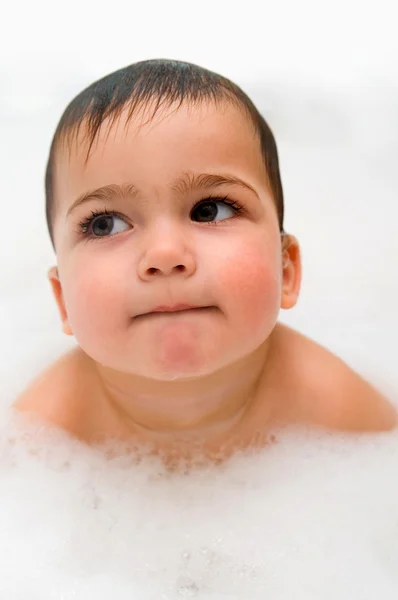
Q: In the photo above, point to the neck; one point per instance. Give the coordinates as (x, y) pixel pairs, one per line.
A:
(213, 410)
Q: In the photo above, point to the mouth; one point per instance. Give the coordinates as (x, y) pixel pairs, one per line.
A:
(175, 308)
(178, 308)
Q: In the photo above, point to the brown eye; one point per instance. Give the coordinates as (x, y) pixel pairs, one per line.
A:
(211, 210)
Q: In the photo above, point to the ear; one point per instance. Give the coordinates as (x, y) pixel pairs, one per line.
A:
(58, 295)
(291, 275)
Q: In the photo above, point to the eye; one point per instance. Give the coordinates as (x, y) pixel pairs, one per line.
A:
(103, 224)
(215, 210)
(108, 225)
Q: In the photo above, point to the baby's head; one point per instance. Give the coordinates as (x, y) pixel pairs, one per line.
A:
(163, 190)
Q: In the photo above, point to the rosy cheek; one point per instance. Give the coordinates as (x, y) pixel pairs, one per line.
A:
(94, 300)
(250, 285)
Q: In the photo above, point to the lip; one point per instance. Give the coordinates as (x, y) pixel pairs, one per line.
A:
(174, 308)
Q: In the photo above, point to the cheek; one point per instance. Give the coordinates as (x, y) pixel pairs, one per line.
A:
(95, 301)
(251, 285)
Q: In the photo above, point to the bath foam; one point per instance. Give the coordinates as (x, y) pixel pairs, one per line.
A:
(314, 516)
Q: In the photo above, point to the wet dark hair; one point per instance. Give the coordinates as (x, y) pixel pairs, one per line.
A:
(156, 83)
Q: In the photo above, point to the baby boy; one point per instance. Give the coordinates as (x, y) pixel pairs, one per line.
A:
(175, 313)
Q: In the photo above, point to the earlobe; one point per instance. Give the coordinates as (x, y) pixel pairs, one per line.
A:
(291, 275)
(55, 282)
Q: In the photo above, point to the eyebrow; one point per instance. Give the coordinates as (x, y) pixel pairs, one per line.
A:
(106, 192)
(184, 184)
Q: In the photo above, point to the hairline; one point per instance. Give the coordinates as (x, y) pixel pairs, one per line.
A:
(87, 110)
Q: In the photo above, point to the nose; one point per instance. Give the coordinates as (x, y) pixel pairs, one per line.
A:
(167, 253)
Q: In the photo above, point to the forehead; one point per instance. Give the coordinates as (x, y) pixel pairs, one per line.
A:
(151, 153)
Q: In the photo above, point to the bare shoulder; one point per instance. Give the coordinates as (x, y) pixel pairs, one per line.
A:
(54, 393)
(329, 392)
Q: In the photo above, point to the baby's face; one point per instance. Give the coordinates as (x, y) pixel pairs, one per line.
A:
(195, 225)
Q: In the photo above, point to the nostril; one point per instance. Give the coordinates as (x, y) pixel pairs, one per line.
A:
(153, 270)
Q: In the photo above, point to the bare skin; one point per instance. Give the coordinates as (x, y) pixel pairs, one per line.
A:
(215, 378)
(302, 383)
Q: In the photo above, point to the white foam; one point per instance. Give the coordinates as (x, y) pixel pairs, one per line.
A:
(314, 516)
